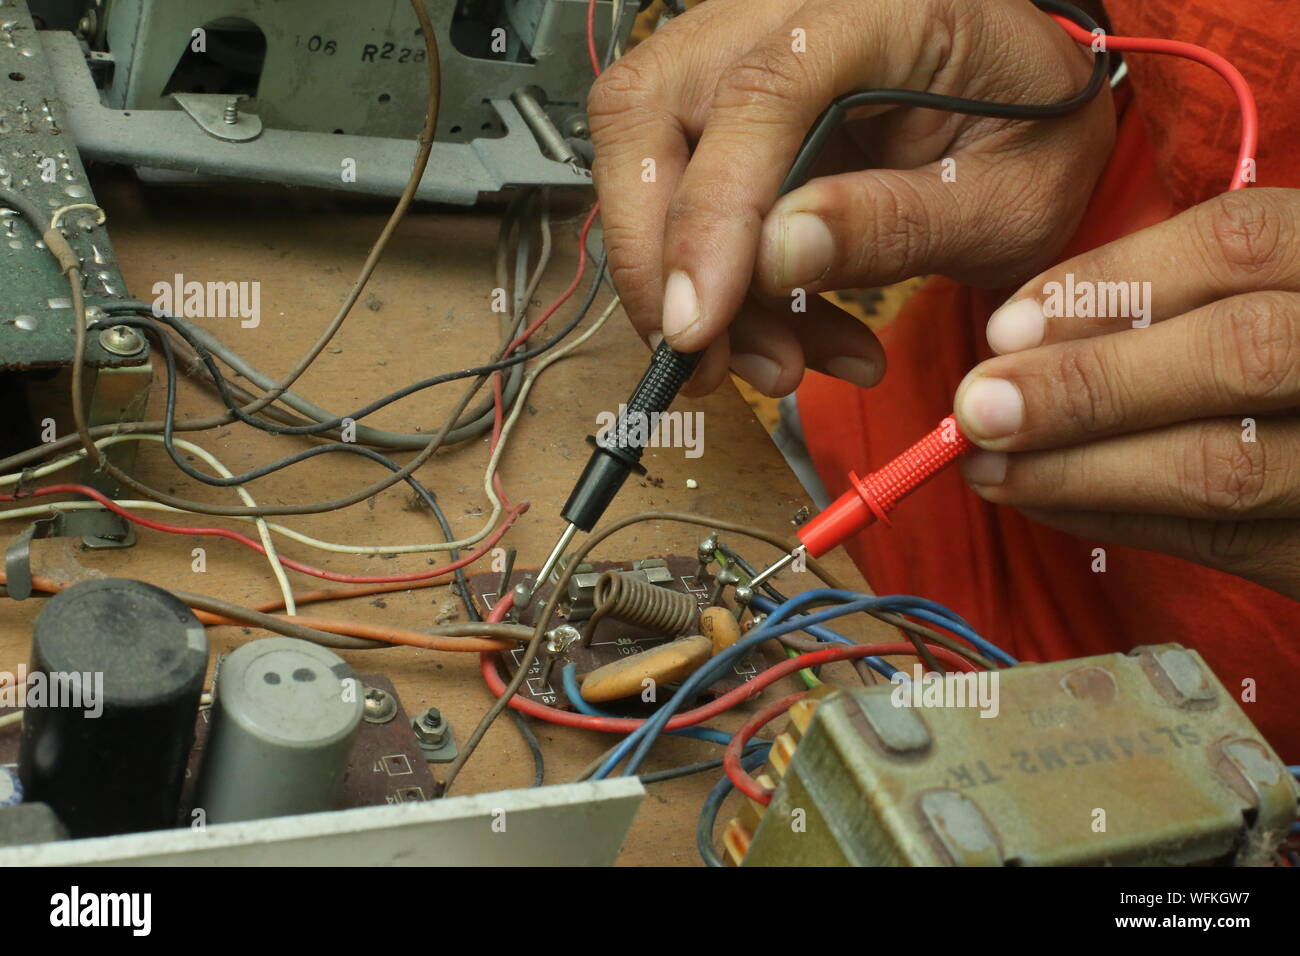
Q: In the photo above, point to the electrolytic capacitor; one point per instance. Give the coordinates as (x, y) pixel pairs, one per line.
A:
(284, 718)
(111, 699)
(11, 788)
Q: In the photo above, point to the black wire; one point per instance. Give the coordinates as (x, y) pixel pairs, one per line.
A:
(169, 359)
(673, 773)
(430, 500)
(274, 428)
(767, 587)
(834, 114)
(534, 747)
(307, 453)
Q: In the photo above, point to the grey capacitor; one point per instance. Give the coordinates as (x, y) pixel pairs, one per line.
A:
(284, 716)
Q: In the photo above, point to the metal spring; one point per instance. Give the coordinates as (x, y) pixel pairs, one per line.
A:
(643, 604)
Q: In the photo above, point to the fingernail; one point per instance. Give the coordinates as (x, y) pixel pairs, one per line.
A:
(758, 370)
(985, 468)
(991, 408)
(805, 250)
(861, 372)
(1016, 326)
(655, 339)
(681, 305)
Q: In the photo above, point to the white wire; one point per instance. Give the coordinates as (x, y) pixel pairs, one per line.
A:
(290, 533)
(263, 531)
(617, 15)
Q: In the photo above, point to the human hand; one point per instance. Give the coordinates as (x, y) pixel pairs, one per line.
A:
(1181, 437)
(712, 110)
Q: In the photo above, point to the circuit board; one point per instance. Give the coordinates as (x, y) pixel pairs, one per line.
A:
(39, 158)
(610, 641)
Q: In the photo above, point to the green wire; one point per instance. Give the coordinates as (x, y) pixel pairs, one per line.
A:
(809, 678)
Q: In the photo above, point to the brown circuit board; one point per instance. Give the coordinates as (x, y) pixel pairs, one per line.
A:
(611, 640)
(386, 765)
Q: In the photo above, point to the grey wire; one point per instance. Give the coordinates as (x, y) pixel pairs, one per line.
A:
(476, 421)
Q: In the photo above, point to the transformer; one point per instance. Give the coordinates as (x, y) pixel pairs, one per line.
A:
(1135, 759)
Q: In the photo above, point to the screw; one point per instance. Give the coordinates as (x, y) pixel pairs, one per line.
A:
(380, 706)
(121, 340)
(576, 126)
(231, 114)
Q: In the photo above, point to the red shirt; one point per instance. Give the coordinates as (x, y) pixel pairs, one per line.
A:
(1028, 588)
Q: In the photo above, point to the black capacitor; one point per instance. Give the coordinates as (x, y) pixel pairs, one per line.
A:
(110, 757)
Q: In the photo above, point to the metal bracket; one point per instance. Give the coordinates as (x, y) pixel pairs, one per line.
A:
(220, 116)
(91, 526)
(167, 139)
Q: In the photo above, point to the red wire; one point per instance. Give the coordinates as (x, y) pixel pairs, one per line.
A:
(1190, 51)
(740, 778)
(564, 296)
(498, 398)
(625, 725)
(511, 516)
(591, 37)
(512, 512)
(870, 498)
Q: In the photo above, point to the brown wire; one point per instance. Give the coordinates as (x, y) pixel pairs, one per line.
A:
(346, 635)
(596, 537)
(408, 195)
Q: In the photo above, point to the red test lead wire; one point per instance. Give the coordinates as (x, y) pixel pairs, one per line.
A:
(870, 499)
(1244, 173)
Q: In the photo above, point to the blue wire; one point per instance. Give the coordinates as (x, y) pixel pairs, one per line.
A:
(713, 803)
(877, 664)
(1295, 770)
(643, 737)
(933, 612)
(569, 679)
(775, 626)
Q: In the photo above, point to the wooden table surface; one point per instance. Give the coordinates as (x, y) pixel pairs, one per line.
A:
(426, 310)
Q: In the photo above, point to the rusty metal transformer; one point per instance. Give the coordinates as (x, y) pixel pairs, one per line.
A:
(1124, 759)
